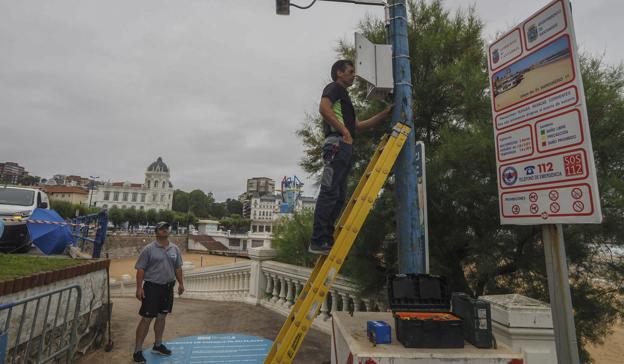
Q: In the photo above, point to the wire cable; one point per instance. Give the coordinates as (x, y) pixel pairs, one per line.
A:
(303, 7)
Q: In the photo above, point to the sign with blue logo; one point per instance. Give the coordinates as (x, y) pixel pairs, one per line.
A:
(220, 348)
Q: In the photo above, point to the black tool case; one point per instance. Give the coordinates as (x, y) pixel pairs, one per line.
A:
(420, 306)
(477, 318)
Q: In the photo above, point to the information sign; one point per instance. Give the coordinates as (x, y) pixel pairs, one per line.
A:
(541, 131)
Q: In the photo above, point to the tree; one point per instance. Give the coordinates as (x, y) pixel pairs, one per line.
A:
(116, 216)
(235, 223)
(166, 215)
(180, 201)
(453, 118)
(152, 216)
(233, 206)
(141, 217)
(131, 216)
(200, 203)
(291, 238)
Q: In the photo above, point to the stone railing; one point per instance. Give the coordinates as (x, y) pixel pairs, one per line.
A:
(260, 281)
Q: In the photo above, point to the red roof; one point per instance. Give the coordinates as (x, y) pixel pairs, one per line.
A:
(65, 189)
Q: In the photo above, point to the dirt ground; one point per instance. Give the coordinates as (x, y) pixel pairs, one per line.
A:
(534, 79)
(196, 317)
(126, 266)
(612, 351)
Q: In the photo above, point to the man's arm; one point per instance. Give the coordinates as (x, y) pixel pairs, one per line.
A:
(325, 108)
(374, 120)
(139, 283)
(180, 278)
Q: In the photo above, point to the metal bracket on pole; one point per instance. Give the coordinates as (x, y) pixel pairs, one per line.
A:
(559, 291)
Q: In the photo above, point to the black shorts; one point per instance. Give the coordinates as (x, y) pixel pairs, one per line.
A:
(158, 299)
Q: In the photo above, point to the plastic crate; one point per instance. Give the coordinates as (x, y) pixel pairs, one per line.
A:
(420, 306)
(477, 318)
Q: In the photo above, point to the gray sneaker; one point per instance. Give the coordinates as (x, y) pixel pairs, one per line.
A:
(322, 249)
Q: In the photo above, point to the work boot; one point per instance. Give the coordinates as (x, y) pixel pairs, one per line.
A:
(138, 357)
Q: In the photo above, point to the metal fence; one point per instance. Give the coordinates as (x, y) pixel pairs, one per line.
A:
(42, 334)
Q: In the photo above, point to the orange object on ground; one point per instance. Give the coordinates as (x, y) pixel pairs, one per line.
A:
(436, 316)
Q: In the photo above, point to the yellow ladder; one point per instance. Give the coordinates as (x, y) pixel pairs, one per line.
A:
(309, 301)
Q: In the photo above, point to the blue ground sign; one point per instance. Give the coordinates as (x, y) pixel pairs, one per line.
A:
(220, 348)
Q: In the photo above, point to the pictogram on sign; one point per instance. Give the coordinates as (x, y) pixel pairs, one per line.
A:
(534, 208)
(578, 206)
(576, 193)
(553, 195)
(554, 207)
(533, 197)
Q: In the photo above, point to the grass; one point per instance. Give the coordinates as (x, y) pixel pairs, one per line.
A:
(12, 265)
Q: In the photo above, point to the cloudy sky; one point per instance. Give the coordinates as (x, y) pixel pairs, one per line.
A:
(216, 87)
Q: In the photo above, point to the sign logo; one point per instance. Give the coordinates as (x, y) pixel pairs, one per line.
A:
(529, 170)
(532, 33)
(495, 56)
(510, 176)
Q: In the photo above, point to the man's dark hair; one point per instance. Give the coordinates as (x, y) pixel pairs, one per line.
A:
(340, 66)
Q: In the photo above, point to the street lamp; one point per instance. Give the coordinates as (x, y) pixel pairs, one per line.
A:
(93, 178)
(282, 7)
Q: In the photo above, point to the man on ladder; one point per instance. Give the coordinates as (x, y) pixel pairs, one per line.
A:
(340, 127)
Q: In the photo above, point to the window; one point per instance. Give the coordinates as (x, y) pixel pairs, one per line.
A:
(153, 197)
(149, 184)
(134, 196)
(115, 196)
(104, 206)
(140, 207)
(142, 197)
(106, 195)
(162, 198)
(125, 196)
(163, 184)
(156, 184)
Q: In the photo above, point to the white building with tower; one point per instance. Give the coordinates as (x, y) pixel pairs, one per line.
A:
(156, 192)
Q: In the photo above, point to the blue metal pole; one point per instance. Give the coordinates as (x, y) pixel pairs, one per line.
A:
(411, 249)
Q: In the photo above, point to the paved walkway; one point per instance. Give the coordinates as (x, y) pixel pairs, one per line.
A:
(197, 317)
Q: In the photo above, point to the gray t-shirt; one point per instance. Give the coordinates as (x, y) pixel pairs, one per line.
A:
(159, 263)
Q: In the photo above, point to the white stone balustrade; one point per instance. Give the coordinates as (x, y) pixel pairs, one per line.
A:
(260, 281)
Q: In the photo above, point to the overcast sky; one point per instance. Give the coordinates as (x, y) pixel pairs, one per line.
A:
(216, 87)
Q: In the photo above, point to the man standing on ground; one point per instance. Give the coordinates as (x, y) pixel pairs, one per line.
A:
(340, 127)
(158, 267)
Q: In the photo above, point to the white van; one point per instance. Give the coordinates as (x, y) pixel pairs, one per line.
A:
(21, 201)
(17, 203)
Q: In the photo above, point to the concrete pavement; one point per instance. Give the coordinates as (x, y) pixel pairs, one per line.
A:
(198, 317)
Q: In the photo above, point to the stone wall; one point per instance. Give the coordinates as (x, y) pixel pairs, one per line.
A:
(92, 317)
(129, 245)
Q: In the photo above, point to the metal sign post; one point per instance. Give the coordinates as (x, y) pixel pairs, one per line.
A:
(559, 290)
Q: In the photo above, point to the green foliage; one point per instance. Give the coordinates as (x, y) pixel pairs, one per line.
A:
(467, 243)
(233, 206)
(291, 238)
(152, 216)
(67, 210)
(116, 216)
(180, 201)
(235, 223)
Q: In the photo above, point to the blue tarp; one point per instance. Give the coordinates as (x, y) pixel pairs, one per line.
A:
(48, 237)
